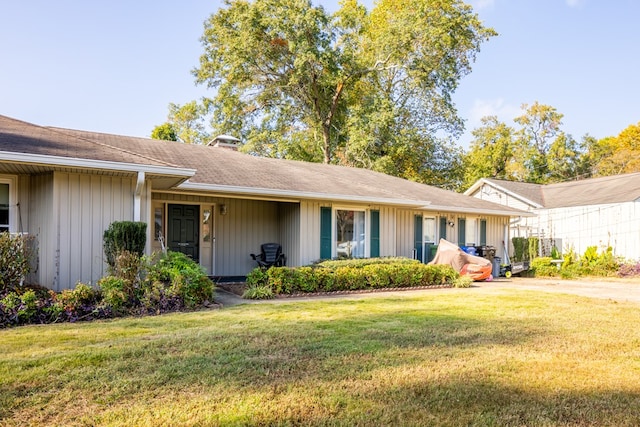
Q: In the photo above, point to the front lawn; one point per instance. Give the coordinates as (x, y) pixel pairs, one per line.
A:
(453, 357)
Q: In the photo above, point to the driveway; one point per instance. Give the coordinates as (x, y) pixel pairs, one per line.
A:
(622, 290)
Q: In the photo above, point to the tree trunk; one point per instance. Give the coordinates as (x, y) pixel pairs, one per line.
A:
(326, 141)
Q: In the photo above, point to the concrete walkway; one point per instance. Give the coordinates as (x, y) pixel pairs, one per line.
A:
(622, 290)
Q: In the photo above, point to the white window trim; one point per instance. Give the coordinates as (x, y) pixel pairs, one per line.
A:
(334, 231)
(472, 221)
(12, 180)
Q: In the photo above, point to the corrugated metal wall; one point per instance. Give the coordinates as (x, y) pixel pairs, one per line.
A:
(615, 225)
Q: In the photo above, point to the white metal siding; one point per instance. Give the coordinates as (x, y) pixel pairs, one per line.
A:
(615, 225)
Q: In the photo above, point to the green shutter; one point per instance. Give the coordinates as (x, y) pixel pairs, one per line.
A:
(417, 230)
(325, 233)
(443, 228)
(462, 229)
(375, 234)
(483, 232)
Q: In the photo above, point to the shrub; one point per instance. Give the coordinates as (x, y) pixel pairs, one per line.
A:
(463, 281)
(124, 236)
(16, 255)
(629, 269)
(258, 292)
(186, 279)
(75, 304)
(349, 275)
(114, 293)
(543, 267)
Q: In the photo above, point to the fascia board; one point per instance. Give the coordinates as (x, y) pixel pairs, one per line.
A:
(481, 211)
(478, 184)
(74, 162)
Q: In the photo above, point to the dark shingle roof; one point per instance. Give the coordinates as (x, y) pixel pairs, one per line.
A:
(21, 137)
(224, 170)
(593, 191)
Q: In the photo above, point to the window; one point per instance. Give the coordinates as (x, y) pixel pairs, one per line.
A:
(4, 207)
(206, 225)
(158, 222)
(350, 233)
(429, 230)
(471, 232)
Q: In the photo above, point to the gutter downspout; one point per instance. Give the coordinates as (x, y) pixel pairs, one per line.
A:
(137, 197)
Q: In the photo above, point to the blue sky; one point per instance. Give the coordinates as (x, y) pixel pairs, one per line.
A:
(114, 66)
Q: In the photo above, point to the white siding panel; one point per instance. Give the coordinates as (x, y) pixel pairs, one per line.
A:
(615, 225)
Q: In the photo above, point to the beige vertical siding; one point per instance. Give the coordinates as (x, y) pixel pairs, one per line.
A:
(309, 231)
(404, 232)
(86, 205)
(290, 233)
(247, 224)
(388, 230)
(42, 218)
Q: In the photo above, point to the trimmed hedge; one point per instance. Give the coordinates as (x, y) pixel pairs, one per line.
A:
(348, 275)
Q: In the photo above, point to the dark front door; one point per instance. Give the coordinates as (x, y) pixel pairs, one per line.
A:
(183, 230)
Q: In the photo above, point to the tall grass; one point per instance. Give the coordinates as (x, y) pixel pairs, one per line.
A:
(435, 358)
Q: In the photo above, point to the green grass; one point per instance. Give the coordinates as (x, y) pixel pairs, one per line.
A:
(448, 358)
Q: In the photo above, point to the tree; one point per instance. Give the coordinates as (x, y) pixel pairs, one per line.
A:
(165, 132)
(368, 89)
(620, 154)
(492, 153)
(538, 151)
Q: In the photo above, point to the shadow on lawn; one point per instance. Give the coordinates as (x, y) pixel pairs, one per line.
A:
(400, 366)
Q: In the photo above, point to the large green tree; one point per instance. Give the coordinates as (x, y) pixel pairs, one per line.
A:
(364, 88)
(537, 151)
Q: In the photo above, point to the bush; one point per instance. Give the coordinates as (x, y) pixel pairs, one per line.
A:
(16, 255)
(186, 279)
(124, 236)
(347, 275)
(258, 292)
(543, 267)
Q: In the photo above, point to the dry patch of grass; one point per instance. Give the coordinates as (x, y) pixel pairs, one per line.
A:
(441, 358)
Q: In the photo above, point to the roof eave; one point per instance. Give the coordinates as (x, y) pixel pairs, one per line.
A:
(79, 163)
(480, 211)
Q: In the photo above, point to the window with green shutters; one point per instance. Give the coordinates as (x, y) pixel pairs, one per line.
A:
(351, 234)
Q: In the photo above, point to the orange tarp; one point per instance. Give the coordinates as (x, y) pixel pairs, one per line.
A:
(448, 253)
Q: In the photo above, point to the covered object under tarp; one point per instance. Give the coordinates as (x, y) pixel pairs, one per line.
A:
(450, 254)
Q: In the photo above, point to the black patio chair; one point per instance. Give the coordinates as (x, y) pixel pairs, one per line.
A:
(270, 256)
